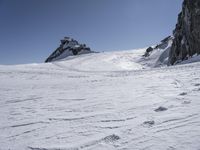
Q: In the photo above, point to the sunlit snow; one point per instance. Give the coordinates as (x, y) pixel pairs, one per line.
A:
(100, 101)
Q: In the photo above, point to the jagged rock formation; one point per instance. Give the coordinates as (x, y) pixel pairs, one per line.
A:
(148, 51)
(158, 55)
(165, 43)
(68, 47)
(187, 33)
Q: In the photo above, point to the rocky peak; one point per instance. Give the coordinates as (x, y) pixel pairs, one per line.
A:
(186, 41)
(165, 43)
(68, 47)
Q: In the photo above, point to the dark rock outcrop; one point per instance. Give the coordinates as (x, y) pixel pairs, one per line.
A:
(163, 45)
(68, 47)
(187, 33)
(148, 51)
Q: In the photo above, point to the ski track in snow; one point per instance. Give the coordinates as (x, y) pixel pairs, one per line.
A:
(78, 104)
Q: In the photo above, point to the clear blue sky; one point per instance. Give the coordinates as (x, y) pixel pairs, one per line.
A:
(31, 29)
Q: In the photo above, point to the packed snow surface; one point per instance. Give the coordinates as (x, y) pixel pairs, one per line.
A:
(103, 101)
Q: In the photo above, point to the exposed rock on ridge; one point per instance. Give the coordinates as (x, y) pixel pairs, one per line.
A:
(158, 55)
(187, 33)
(68, 47)
(163, 45)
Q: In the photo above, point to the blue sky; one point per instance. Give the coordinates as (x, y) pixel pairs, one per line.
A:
(31, 29)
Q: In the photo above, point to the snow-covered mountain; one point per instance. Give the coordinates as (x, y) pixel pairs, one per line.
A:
(125, 100)
(68, 47)
(184, 45)
(112, 100)
(158, 55)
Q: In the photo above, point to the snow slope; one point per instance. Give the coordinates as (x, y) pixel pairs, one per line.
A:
(100, 101)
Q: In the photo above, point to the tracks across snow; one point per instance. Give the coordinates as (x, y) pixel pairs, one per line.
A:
(62, 105)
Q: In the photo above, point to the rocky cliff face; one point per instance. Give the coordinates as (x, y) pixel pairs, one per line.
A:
(165, 43)
(158, 55)
(187, 33)
(68, 47)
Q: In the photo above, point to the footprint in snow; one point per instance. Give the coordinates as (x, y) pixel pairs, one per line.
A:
(198, 84)
(186, 102)
(183, 94)
(111, 138)
(159, 109)
(149, 123)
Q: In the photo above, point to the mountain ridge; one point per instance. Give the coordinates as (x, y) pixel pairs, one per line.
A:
(68, 47)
